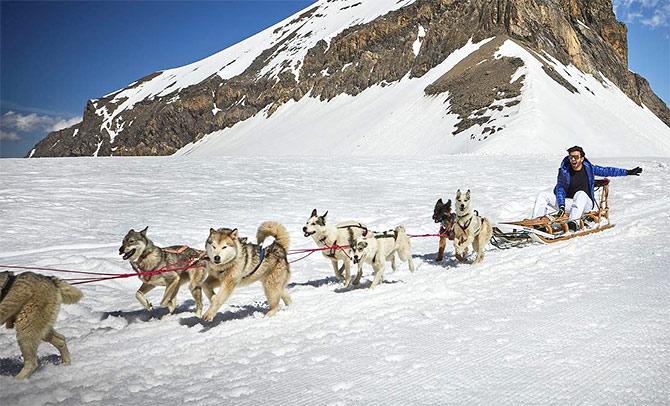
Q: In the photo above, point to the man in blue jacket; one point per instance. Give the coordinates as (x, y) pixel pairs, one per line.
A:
(574, 187)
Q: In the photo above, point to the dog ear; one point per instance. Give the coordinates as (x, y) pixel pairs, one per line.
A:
(313, 213)
(233, 233)
(323, 216)
(144, 232)
(448, 204)
(211, 231)
(458, 194)
(467, 194)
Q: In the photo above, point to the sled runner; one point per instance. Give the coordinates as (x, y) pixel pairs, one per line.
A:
(549, 229)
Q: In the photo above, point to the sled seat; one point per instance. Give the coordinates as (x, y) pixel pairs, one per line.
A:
(601, 182)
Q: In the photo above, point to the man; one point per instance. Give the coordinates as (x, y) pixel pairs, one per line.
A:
(574, 186)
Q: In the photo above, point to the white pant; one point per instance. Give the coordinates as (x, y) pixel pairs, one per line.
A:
(575, 207)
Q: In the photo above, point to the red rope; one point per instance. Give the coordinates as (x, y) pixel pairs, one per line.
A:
(301, 258)
(325, 248)
(107, 276)
(310, 251)
(103, 276)
(35, 268)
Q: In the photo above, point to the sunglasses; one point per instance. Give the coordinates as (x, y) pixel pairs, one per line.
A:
(574, 158)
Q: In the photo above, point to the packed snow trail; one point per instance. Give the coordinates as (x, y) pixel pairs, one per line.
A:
(581, 321)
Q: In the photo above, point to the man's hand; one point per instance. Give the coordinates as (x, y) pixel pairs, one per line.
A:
(561, 212)
(635, 171)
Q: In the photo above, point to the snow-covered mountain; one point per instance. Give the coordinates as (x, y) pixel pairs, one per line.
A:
(389, 77)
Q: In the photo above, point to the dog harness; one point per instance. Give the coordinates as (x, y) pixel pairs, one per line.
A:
(447, 226)
(8, 285)
(261, 257)
(465, 226)
(331, 252)
(388, 234)
(177, 249)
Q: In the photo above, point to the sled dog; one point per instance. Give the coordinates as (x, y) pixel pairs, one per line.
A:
(30, 302)
(443, 215)
(470, 229)
(341, 234)
(376, 248)
(232, 262)
(144, 256)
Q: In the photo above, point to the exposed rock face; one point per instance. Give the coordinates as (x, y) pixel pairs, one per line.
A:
(477, 82)
(584, 33)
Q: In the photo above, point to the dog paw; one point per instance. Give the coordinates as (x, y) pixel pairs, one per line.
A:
(25, 373)
(208, 316)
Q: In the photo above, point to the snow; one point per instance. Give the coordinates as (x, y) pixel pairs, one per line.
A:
(297, 35)
(577, 322)
(416, 46)
(95, 154)
(406, 122)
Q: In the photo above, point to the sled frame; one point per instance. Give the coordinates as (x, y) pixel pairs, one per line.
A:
(549, 229)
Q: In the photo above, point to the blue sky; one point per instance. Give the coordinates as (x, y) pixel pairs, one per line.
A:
(56, 55)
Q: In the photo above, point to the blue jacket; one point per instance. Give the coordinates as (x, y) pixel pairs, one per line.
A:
(563, 180)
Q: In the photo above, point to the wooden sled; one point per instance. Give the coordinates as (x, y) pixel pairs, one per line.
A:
(549, 229)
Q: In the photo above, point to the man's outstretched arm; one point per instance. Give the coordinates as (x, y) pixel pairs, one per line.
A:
(610, 171)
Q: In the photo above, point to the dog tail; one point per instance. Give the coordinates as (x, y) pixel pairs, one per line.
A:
(68, 293)
(276, 230)
(401, 234)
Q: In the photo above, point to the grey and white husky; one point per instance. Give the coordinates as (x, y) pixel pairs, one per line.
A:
(232, 262)
(470, 229)
(328, 235)
(376, 248)
(144, 256)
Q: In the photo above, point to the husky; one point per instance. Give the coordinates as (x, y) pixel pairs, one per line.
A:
(376, 248)
(443, 215)
(232, 262)
(30, 302)
(144, 256)
(470, 229)
(341, 234)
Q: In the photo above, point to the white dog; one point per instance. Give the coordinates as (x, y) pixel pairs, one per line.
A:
(329, 235)
(377, 248)
(470, 229)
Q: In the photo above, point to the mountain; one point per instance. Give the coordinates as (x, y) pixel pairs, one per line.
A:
(389, 77)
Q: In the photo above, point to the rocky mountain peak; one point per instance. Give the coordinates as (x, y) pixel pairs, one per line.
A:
(345, 47)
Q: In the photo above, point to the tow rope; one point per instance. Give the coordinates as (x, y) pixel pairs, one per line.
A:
(104, 276)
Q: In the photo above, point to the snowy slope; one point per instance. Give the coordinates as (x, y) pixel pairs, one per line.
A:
(578, 322)
(299, 34)
(399, 119)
